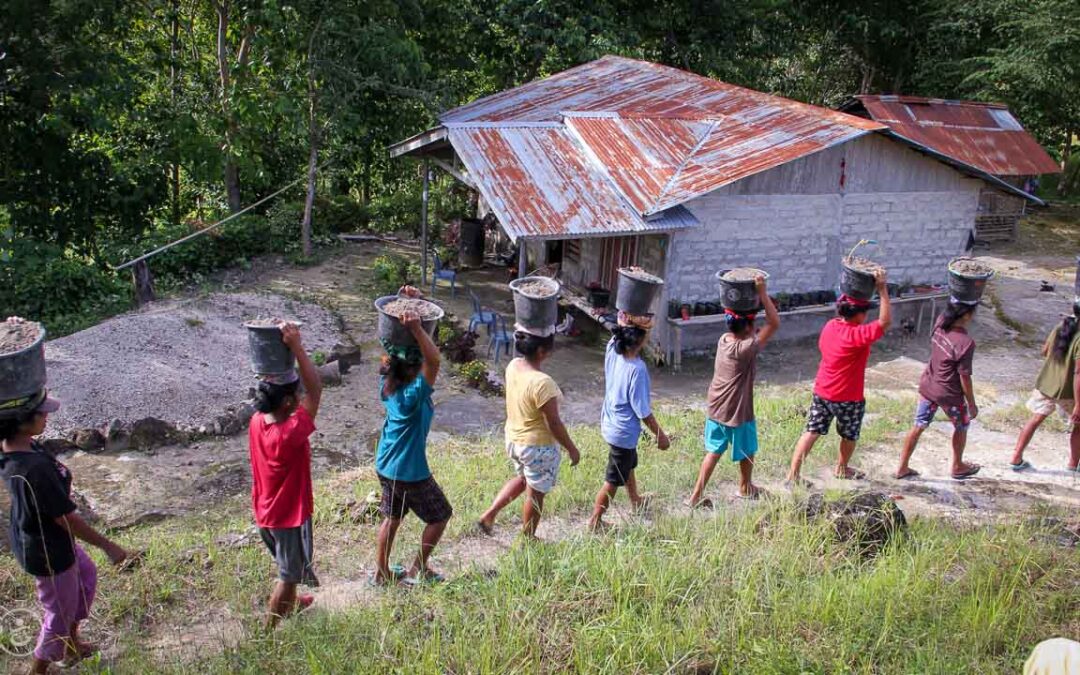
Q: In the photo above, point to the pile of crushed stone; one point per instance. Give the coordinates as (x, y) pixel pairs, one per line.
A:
(182, 362)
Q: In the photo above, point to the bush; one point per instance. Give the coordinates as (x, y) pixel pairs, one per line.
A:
(42, 282)
(458, 346)
(392, 272)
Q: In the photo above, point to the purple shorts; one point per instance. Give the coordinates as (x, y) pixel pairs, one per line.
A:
(958, 414)
(65, 598)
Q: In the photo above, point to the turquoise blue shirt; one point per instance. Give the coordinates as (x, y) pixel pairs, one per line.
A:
(626, 399)
(402, 453)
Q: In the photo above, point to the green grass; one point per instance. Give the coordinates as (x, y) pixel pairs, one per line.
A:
(753, 589)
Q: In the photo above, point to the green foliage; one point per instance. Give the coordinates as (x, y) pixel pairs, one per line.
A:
(393, 271)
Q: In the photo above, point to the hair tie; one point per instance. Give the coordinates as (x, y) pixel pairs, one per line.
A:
(854, 302)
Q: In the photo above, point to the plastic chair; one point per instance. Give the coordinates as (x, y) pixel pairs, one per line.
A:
(500, 338)
(482, 316)
(444, 274)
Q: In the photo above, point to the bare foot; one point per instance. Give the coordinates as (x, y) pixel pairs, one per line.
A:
(752, 492)
(703, 503)
(642, 503)
(847, 473)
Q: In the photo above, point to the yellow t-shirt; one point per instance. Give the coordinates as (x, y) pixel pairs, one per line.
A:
(527, 391)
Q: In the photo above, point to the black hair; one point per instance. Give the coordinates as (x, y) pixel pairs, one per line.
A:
(269, 397)
(1065, 334)
(739, 324)
(398, 372)
(847, 310)
(954, 312)
(529, 345)
(12, 425)
(627, 338)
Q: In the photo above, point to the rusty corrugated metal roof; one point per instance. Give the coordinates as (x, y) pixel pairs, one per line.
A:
(601, 147)
(984, 135)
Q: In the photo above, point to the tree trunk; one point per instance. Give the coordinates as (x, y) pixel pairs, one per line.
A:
(232, 171)
(174, 170)
(1066, 153)
(309, 203)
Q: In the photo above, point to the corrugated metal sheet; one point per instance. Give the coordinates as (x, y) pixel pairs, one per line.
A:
(540, 184)
(593, 149)
(983, 135)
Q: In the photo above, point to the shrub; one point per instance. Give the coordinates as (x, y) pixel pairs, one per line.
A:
(458, 346)
(392, 272)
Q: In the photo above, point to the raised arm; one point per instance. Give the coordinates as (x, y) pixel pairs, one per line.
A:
(309, 375)
(558, 430)
(430, 352)
(772, 317)
(885, 316)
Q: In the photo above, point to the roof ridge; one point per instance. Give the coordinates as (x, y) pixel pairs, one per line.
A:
(682, 165)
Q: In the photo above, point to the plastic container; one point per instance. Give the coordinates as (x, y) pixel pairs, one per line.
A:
(392, 330)
(269, 355)
(22, 373)
(856, 283)
(471, 243)
(635, 295)
(739, 295)
(967, 287)
(536, 313)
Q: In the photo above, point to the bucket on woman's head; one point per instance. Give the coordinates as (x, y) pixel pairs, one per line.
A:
(738, 289)
(637, 291)
(269, 354)
(22, 359)
(536, 303)
(857, 278)
(967, 280)
(390, 309)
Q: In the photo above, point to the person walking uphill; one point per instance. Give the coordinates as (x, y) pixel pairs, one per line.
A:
(44, 527)
(1058, 386)
(406, 382)
(731, 398)
(844, 344)
(281, 494)
(627, 404)
(534, 432)
(946, 384)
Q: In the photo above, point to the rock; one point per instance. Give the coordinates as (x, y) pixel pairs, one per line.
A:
(228, 424)
(89, 440)
(1056, 531)
(869, 520)
(347, 355)
(244, 413)
(58, 446)
(150, 432)
(366, 511)
(330, 373)
(117, 438)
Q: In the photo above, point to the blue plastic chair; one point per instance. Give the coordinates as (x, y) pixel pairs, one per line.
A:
(482, 316)
(500, 338)
(445, 275)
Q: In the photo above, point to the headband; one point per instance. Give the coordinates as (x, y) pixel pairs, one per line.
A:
(732, 315)
(407, 353)
(854, 302)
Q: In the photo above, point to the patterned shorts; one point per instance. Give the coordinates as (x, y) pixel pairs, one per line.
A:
(959, 415)
(423, 497)
(848, 414)
(539, 464)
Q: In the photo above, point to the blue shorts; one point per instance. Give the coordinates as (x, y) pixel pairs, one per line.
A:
(742, 439)
(958, 414)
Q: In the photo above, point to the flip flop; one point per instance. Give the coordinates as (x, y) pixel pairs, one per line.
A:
(1022, 466)
(397, 573)
(972, 470)
(303, 602)
(907, 475)
(429, 578)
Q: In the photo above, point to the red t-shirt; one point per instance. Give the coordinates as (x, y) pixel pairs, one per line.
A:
(845, 349)
(281, 493)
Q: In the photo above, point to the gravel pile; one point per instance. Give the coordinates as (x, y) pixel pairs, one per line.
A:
(966, 267)
(639, 273)
(17, 334)
(181, 362)
(422, 308)
(742, 274)
(863, 265)
(537, 288)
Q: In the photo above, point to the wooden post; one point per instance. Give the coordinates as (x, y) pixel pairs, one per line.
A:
(523, 258)
(424, 226)
(144, 283)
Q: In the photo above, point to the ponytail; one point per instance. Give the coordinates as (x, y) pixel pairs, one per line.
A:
(1065, 334)
(628, 338)
(954, 312)
(529, 345)
(269, 397)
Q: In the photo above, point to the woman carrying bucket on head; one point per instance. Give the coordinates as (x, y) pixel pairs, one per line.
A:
(627, 392)
(534, 429)
(1057, 387)
(406, 383)
(730, 420)
(45, 522)
(839, 394)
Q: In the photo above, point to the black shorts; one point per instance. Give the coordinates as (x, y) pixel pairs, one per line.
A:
(423, 497)
(848, 414)
(621, 461)
(293, 551)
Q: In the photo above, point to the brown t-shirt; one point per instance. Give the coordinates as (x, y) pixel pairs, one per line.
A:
(951, 354)
(731, 392)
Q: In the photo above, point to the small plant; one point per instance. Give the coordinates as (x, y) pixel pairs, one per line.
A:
(458, 346)
(318, 358)
(194, 322)
(392, 272)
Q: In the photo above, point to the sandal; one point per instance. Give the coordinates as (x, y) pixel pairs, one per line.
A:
(397, 573)
(429, 577)
(968, 473)
(1022, 466)
(907, 475)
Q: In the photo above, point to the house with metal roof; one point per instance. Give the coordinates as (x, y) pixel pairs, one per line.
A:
(622, 162)
(984, 135)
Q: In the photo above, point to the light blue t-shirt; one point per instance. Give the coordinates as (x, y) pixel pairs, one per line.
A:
(402, 453)
(626, 398)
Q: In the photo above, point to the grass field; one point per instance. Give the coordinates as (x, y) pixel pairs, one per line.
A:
(753, 588)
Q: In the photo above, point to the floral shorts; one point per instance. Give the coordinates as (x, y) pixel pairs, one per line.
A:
(924, 414)
(539, 464)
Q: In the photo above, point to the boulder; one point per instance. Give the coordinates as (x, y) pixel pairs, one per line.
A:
(58, 446)
(868, 520)
(150, 432)
(346, 355)
(89, 440)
